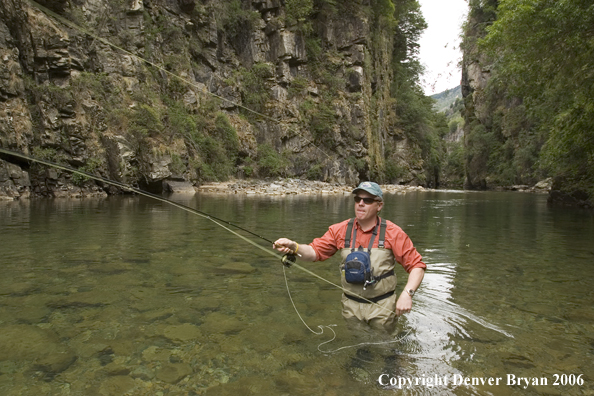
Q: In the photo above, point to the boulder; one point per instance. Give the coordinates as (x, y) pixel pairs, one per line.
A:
(176, 186)
(173, 372)
(184, 333)
(37, 347)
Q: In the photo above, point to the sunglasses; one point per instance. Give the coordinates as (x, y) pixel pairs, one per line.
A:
(368, 201)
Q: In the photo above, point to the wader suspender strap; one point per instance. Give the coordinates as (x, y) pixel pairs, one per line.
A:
(382, 234)
(349, 231)
(382, 239)
(347, 240)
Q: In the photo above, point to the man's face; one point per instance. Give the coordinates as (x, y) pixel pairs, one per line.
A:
(365, 212)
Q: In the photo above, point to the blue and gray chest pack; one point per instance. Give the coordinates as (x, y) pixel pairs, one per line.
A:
(357, 266)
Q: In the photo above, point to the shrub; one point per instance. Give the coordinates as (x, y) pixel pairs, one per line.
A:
(227, 135)
(393, 172)
(315, 172)
(145, 121)
(254, 90)
(90, 167)
(271, 163)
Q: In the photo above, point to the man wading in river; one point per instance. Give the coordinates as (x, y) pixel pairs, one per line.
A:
(369, 247)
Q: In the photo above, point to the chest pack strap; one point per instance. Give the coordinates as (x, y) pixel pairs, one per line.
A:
(389, 273)
(349, 232)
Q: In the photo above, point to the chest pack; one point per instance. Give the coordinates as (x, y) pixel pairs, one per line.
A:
(357, 266)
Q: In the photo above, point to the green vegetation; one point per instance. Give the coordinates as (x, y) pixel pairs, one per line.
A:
(213, 140)
(297, 13)
(49, 154)
(145, 120)
(232, 16)
(270, 162)
(315, 172)
(448, 150)
(321, 120)
(254, 88)
(298, 86)
(538, 108)
(543, 51)
(90, 167)
(448, 99)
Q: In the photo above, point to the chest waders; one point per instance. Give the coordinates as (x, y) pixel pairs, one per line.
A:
(382, 280)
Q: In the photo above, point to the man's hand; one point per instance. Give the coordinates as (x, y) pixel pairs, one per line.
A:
(304, 252)
(404, 303)
(285, 245)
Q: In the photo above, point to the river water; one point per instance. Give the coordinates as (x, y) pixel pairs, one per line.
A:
(127, 295)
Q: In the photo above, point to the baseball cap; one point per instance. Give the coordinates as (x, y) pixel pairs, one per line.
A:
(371, 188)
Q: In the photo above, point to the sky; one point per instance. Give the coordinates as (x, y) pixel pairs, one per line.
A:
(440, 44)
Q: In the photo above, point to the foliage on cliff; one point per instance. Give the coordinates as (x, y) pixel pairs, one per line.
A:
(534, 116)
(544, 51)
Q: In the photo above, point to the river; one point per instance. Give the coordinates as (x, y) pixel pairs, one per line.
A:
(128, 295)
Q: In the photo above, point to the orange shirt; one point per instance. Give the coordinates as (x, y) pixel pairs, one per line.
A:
(396, 240)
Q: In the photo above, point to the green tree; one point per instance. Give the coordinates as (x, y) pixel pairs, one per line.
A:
(543, 51)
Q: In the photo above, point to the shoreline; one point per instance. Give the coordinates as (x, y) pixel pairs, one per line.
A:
(293, 187)
(254, 187)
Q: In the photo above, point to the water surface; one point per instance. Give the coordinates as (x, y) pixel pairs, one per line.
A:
(126, 295)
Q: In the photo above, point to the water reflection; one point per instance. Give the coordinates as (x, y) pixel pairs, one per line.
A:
(116, 295)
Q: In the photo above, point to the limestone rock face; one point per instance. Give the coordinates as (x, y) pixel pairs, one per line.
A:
(103, 99)
(14, 182)
(475, 76)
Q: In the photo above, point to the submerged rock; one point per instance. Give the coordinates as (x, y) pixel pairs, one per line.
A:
(173, 372)
(94, 298)
(184, 332)
(143, 373)
(117, 385)
(218, 323)
(32, 345)
(244, 386)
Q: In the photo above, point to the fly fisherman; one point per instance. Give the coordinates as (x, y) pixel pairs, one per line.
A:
(369, 247)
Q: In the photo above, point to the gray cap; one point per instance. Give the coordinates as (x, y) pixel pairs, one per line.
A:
(371, 187)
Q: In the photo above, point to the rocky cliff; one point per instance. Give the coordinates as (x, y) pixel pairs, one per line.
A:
(478, 111)
(502, 145)
(154, 91)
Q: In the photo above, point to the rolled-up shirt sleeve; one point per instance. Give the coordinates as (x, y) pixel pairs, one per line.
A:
(404, 251)
(327, 245)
